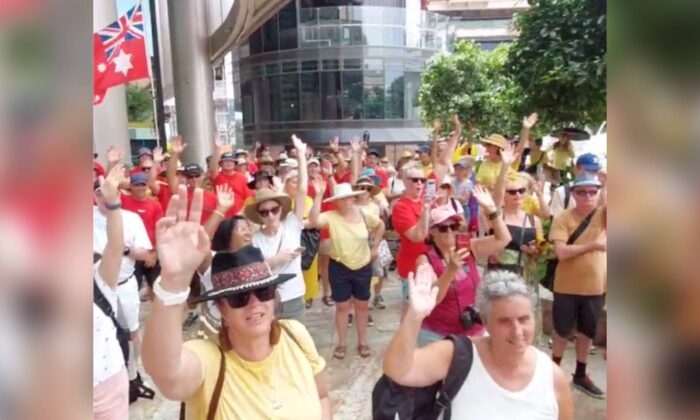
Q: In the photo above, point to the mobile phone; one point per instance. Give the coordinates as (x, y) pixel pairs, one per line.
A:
(463, 241)
(430, 189)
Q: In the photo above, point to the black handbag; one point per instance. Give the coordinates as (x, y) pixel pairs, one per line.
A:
(310, 240)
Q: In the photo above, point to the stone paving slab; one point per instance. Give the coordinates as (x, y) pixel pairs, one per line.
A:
(351, 380)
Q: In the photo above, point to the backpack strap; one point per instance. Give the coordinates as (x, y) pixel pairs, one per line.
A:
(460, 366)
(216, 395)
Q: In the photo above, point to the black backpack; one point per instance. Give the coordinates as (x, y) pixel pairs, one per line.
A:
(310, 240)
(392, 401)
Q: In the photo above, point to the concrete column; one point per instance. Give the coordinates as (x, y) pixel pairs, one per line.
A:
(110, 123)
(192, 76)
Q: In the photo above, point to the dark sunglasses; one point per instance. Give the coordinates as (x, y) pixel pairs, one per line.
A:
(520, 191)
(444, 228)
(265, 213)
(418, 180)
(363, 188)
(146, 168)
(586, 193)
(240, 300)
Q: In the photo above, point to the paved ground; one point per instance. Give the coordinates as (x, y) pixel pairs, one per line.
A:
(351, 380)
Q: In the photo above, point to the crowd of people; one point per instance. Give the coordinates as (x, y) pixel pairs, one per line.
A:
(241, 249)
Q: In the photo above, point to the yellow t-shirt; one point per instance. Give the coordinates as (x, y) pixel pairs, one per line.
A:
(586, 274)
(250, 388)
(349, 241)
(488, 173)
(562, 157)
(307, 209)
(427, 169)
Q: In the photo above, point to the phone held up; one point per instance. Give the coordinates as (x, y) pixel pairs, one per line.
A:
(430, 189)
(463, 241)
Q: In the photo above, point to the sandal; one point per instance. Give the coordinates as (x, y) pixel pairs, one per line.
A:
(309, 303)
(328, 301)
(339, 352)
(364, 350)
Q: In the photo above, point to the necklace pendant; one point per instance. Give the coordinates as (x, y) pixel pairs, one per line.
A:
(277, 405)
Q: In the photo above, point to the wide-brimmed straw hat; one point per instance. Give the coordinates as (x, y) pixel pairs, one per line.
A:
(364, 182)
(340, 191)
(265, 194)
(496, 140)
(233, 273)
(573, 133)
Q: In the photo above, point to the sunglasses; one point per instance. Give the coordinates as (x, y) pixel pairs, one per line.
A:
(267, 212)
(240, 300)
(586, 193)
(363, 188)
(418, 180)
(444, 228)
(146, 168)
(520, 191)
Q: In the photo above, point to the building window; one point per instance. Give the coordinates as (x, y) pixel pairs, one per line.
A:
(310, 104)
(288, 26)
(352, 95)
(290, 97)
(331, 64)
(374, 94)
(274, 90)
(270, 35)
(247, 102)
(309, 65)
(330, 95)
(262, 100)
(394, 100)
(255, 43)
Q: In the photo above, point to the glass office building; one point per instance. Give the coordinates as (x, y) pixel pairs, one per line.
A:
(320, 68)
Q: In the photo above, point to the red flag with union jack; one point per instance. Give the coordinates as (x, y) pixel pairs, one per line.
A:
(119, 53)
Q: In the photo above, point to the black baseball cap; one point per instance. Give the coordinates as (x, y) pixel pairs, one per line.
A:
(193, 169)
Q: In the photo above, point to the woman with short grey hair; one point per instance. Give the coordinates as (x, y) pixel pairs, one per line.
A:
(506, 368)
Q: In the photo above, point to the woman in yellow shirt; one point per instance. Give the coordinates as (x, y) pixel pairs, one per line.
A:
(264, 368)
(350, 268)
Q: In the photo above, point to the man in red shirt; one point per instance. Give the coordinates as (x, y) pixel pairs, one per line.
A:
(150, 211)
(194, 176)
(410, 218)
(144, 162)
(158, 182)
(223, 171)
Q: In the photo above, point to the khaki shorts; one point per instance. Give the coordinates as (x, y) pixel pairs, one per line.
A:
(324, 248)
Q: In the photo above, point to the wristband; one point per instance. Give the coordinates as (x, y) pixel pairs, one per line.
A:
(494, 215)
(168, 298)
(115, 206)
(219, 213)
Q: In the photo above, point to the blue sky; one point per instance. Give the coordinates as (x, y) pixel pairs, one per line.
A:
(124, 5)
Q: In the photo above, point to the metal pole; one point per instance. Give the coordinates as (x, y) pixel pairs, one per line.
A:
(156, 76)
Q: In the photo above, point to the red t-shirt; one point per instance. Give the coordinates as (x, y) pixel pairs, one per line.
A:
(383, 176)
(98, 169)
(164, 194)
(239, 185)
(149, 209)
(208, 205)
(404, 216)
(252, 167)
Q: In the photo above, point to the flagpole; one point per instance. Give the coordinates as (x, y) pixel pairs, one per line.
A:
(156, 76)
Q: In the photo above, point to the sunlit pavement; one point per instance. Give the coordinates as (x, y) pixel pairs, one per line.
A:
(351, 380)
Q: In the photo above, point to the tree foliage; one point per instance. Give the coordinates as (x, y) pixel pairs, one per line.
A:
(139, 103)
(473, 84)
(559, 61)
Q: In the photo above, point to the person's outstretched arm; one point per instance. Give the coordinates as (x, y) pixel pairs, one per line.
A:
(182, 245)
(300, 203)
(403, 362)
(111, 260)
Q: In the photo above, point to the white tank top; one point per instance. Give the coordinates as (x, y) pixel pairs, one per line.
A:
(482, 398)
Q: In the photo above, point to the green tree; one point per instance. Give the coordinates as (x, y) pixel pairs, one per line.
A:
(139, 103)
(559, 61)
(507, 112)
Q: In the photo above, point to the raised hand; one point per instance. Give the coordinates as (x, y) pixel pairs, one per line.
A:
(319, 185)
(483, 197)
(437, 125)
(603, 177)
(225, 197)
(158, 157)
(457, 123)
(182, 241)
(299, 145)
(356, 145)
(114, 155)
(177, 145)
(423, 294)
(529, 122)
(110, 186)
(509, 155)
(335, 144)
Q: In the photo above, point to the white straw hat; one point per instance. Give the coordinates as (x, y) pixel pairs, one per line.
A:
(343, 190)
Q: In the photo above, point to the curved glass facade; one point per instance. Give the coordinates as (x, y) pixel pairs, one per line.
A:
(320, 68)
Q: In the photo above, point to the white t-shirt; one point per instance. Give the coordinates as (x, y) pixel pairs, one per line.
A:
(558, 198)
(135, 236)
(288, 237)
(107, 358)
(396, 186)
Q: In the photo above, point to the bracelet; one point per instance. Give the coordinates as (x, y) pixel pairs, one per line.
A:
(169, 298)
(219, 213)
(494, 214)
(115, 206)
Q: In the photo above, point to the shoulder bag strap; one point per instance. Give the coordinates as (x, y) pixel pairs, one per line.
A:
(369, 232)
(462, 358)
(289, 333)
(567, 196)
(522, 236)
(581, 228)
(216, 395)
